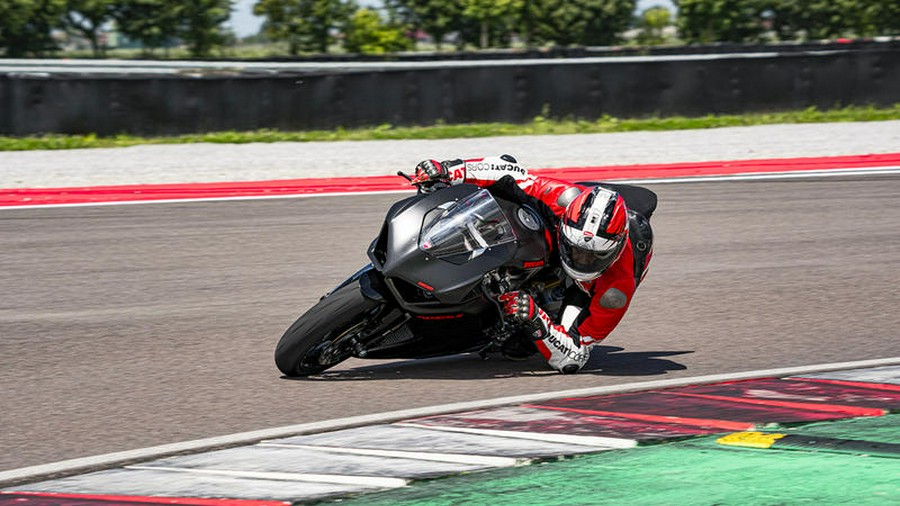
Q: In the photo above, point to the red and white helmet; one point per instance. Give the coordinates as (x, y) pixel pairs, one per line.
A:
(592, 233)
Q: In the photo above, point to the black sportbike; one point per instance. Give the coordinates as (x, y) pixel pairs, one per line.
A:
(437, 266)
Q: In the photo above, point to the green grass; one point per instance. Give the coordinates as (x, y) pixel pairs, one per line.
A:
(538, 126)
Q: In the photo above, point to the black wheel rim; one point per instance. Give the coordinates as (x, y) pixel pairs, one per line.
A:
(331, 351)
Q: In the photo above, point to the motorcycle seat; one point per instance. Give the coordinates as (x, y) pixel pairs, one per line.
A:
(637, 198)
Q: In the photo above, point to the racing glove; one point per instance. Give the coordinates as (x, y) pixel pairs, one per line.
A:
(519, 306)
(430, 172)
(567, 353)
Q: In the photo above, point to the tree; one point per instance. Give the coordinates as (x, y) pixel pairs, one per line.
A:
(87, 17)
(823, 19)
(304, 24)
(153, 23)
(652, 23)
(201, 24)
(582, 22)
(607, 20)
(436, 17)
(720, 20)
(491, 15)
(26, 25)
(367, 33)
(812, 19)
(882, 17)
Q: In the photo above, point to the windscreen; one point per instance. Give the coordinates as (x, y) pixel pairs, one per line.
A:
(468, 226)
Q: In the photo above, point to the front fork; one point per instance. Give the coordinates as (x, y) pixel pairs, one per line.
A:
(380, 332)
(372, 288)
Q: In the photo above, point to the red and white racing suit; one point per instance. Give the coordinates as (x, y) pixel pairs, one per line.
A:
(593, 309)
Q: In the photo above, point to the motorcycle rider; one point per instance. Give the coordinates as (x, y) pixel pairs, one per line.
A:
(604, 249)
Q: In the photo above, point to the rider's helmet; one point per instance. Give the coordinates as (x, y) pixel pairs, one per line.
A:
(592, 233)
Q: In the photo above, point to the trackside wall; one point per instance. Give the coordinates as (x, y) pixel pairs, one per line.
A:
(144, 103)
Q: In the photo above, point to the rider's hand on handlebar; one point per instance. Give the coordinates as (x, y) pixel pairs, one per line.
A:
(518, 306)
(429, 172)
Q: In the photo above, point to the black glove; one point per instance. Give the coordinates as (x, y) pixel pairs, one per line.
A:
(429, 172)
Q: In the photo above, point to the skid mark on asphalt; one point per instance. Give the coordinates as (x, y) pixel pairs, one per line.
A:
(382, 457)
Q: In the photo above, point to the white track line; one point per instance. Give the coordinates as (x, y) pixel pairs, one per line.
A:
(244, 438)
(754, 176)
(336, 479)
(596, 441)
(450, 458)
(768, 176)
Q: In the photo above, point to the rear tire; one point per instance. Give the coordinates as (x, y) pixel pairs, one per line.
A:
(301, 348)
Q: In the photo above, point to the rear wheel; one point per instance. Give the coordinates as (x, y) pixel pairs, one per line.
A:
(323, 336)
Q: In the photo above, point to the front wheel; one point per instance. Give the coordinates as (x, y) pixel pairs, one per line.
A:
(322, 337)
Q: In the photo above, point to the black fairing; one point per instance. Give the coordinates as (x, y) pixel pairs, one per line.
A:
(423, 284)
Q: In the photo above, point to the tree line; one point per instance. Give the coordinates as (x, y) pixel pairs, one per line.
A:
(27, 26)
(760, 20)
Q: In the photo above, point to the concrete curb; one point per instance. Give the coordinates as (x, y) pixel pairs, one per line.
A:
(74, 466)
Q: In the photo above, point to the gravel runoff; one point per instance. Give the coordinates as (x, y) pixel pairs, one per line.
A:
(187, 163)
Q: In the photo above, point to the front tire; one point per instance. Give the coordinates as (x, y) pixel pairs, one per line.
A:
(319, 339)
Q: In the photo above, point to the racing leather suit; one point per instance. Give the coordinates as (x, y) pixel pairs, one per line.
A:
(590, 310)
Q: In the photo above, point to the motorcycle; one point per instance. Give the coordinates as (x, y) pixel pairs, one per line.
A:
(436, 268)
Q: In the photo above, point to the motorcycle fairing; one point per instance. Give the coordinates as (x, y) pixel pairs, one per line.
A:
(403, 259)
(464, 229)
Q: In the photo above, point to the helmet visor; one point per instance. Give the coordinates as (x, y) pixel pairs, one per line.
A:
(590, 263)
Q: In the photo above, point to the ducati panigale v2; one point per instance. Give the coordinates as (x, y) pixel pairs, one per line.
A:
(437, 266)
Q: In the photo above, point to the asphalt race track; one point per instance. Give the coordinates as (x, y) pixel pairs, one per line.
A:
(131, 326)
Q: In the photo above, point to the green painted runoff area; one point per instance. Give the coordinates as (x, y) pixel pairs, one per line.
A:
(692, 472)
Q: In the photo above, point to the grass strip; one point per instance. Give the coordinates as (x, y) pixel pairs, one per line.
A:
(540, 125)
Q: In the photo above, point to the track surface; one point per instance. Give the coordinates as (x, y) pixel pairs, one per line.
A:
(125, 327)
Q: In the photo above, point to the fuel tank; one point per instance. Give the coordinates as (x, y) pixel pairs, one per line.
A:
(423, 278)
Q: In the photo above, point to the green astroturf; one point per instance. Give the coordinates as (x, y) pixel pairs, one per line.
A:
(695, 472)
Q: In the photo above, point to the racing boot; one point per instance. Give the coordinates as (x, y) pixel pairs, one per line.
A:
(518, 347)
(563, 351)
